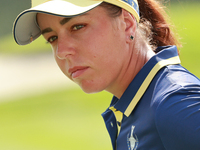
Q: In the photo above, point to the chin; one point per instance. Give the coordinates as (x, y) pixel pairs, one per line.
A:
(90, 86)
(90, 89)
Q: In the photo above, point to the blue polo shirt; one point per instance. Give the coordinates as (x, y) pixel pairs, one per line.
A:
(160, 109)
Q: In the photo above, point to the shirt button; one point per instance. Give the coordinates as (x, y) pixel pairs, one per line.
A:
(111, 124)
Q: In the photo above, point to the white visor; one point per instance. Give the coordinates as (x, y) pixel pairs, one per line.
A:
(26, 29)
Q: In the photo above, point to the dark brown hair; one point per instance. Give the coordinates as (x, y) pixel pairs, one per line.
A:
(153, 22)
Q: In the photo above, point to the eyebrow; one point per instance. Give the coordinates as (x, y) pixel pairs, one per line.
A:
(62, 22)
(46, 30)
(65, 20)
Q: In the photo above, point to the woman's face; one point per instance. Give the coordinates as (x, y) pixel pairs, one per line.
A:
(90, 49)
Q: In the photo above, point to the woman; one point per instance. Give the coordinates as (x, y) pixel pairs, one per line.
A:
(122, 46)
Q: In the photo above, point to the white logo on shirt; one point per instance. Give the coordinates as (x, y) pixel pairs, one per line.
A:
(132, 140)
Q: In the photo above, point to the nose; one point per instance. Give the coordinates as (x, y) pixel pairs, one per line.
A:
(65, 48)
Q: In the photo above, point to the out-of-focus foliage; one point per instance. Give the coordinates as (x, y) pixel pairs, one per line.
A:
(9, 9)
(62, 120)
(70, 119)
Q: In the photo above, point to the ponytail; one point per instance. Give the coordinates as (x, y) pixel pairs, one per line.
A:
(154, 17)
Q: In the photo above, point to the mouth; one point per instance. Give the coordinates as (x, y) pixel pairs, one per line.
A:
(77, 71)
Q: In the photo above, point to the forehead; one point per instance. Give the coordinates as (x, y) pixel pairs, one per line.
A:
(96, 12)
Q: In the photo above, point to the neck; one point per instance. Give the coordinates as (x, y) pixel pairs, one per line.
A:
(138, 56)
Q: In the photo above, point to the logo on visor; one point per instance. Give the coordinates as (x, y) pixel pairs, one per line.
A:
(132, 3)
(132, 139)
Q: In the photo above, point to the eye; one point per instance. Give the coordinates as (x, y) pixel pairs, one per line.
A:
(77, 27)
(52, 39)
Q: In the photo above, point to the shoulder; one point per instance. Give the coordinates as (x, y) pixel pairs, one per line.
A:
(170, 80)
(177, 115)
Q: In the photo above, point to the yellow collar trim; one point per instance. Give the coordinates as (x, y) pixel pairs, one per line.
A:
(147, 81)
(118, 116)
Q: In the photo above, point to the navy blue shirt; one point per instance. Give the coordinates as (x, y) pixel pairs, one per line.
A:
(160, 109)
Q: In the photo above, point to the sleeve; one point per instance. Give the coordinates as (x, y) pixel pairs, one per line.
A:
(178, 119)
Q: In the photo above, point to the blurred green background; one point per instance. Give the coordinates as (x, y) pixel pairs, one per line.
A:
(64, 117)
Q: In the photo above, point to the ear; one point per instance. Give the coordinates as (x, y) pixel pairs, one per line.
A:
(130, 23)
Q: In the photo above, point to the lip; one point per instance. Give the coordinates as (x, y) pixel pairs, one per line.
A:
(77, 71)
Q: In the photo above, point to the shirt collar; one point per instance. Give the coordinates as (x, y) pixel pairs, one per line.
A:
(167, 56)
